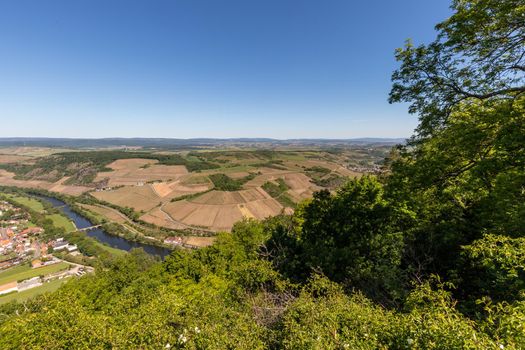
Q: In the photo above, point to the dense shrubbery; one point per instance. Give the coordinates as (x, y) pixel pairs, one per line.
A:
(278, 190)
(222, 182)
(229, 296)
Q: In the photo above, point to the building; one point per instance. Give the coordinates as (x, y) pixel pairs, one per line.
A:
(32, 231)
(175, 240)
(60, 244)
(71, 247)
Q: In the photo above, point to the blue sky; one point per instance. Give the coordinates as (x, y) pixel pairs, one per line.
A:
(206, 68)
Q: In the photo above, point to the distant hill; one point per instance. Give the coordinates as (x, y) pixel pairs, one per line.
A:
(185, 143)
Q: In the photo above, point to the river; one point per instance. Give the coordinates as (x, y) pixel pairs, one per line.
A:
(101, 235)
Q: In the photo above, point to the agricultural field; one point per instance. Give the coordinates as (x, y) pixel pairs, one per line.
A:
(31, 203)
(139, 171)
(24, 272)
(30, 293)
(8, 178)
(32, 152)
(12, 158)
(199, 241)
(219, 210)
(206, 188)
(106, 213)
(62, 221)
(140, 198)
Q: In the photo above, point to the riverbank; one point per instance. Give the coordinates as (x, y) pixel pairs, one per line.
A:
(101, 235)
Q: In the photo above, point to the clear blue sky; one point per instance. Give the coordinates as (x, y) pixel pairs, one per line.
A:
(206, 68)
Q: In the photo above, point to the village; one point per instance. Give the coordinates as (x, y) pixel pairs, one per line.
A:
(26, 258)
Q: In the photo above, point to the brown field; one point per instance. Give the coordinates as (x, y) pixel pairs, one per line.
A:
(67, 189)
(235, 197)
(197, 179)
(219, 210)
(238, 174)
(160, 218)
(267, 174)
(264, 208)
(7, 179)
(11, 158)
(133, 163)
(272, 171)
(300, 185)
(162, 189)
(33, 151)
(140, 198)
(178, 188)
(135, 171)
(212, 217)
(245, 211)
(199, 241)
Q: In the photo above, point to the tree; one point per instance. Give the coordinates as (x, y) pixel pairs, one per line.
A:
(479, 54)
(353, 237)
(464, 171)
(494, 266)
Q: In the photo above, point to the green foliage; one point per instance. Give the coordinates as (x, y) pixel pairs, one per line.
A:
(494, 266)
(433, 322)
(223, 182)
(225, 296)
(278, 190)
(332, 181)
(275, 189)
(463, 172)
(323, 317)
(318, 170)
(505, 322)
(478, 54)
(353, 237)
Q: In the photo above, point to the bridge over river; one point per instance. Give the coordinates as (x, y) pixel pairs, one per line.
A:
(84, 229)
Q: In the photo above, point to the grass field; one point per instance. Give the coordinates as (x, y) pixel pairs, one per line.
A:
(62, 221)
(93, 211)
(30, 293)
(103, 213)
(23, 272)
(31, 203)
(14, 271)
(111, 250)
